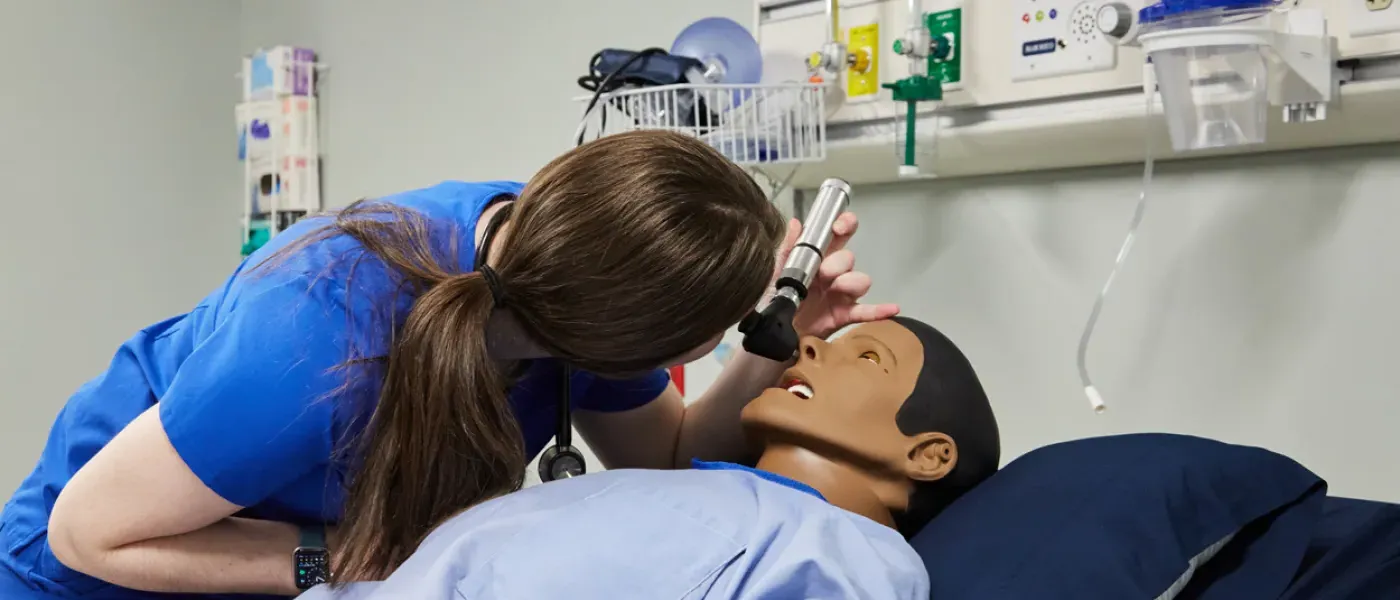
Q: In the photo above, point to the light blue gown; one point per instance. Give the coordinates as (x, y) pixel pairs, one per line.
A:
(718, 532)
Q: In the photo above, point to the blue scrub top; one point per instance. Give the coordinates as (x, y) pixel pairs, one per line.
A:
(249, 393)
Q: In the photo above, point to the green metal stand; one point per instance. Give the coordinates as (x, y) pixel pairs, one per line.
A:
(911, 91)
(924, 88)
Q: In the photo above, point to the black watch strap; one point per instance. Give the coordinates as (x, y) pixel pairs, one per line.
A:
(311, 560)
(313, 536)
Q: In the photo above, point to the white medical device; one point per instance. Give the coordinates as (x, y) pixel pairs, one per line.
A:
(1219, 65)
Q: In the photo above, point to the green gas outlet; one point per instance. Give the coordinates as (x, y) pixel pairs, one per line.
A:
(259, 232)
(945, 56)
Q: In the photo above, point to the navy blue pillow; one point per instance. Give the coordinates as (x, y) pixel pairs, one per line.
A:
(1122, 518)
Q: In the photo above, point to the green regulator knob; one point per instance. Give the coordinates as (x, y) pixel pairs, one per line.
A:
(941, 48)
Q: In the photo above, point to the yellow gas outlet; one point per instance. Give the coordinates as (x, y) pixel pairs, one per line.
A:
(863, 79)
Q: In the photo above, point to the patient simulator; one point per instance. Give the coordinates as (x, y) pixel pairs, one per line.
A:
(869, 437)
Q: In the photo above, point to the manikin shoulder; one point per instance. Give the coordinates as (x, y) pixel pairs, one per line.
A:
(821, 551)
(673, 534)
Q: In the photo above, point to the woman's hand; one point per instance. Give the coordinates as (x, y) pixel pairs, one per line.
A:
(710, 427)
(833, 301)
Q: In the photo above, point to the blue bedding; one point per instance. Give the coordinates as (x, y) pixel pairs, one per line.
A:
(1160, 516)
(1127, 517)
(1354, 552)
(1262, 558)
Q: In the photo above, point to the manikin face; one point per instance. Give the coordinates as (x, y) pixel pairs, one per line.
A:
(841, 400)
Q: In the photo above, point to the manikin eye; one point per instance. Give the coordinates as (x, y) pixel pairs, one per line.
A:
(871, 356)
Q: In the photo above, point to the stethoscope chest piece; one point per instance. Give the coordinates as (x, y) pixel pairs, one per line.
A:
(561, 462)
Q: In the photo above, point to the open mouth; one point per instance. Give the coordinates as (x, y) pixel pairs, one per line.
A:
(796, 386)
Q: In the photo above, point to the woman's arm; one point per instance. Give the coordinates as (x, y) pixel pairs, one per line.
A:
(664, 433)
(710, 430)
(248, 413)
(138, 517)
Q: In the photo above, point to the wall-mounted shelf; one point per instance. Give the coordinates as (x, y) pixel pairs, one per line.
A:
(1106, 130)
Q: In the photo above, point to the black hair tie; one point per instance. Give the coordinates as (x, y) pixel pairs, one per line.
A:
(493, 281)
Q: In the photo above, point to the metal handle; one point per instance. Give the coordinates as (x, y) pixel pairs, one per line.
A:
(833, 197)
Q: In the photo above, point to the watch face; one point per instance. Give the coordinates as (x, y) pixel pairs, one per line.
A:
(312, 567)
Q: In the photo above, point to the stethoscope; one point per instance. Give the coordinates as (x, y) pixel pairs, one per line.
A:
(562, 460)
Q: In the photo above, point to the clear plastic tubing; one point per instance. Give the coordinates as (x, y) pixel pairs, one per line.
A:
(1095, 398)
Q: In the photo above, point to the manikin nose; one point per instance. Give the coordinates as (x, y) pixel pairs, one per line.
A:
(813, 348)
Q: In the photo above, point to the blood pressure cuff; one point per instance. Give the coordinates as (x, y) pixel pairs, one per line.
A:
(1132, 516)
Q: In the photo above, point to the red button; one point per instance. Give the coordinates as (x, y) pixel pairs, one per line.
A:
(1026, 18)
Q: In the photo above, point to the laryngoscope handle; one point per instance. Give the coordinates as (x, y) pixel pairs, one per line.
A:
(768, 332)
(803, 262)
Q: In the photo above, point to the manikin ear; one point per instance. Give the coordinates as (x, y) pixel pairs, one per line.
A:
(931, 457)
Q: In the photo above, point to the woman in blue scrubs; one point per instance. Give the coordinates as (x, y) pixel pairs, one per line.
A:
(362, 377)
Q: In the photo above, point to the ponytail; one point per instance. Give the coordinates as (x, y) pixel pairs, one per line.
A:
(443, 437)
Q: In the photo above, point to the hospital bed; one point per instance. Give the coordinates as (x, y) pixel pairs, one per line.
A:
(1165, 517)
(1354, 552)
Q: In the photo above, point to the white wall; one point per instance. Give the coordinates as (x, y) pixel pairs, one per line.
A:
(1251, 311)
(120, 172)
(1258, 306)
(417, 91)
(121, 162)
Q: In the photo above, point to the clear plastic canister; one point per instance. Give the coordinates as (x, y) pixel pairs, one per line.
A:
(1213, 96)
(1214, 82)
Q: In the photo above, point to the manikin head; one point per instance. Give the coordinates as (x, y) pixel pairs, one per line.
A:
(894, 403)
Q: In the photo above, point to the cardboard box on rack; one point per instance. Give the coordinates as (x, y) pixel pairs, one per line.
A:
(292, 185)
(279, 141)
(278, 72)
(287, 126)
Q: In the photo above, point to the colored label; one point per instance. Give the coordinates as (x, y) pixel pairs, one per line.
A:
(260, 77)
(724, 352)
(678, 378)
(866, 39)
(1038, 47)
(946, 24)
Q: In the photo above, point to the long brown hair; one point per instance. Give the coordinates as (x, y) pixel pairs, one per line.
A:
(621, 254)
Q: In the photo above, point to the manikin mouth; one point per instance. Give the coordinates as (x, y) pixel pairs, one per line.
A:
(797, 386)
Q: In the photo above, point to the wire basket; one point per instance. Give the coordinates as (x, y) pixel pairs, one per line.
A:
(750, 124)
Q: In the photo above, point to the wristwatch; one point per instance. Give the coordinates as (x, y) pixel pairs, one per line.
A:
(311, 559)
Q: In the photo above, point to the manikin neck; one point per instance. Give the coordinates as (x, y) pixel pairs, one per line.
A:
(841, 485)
